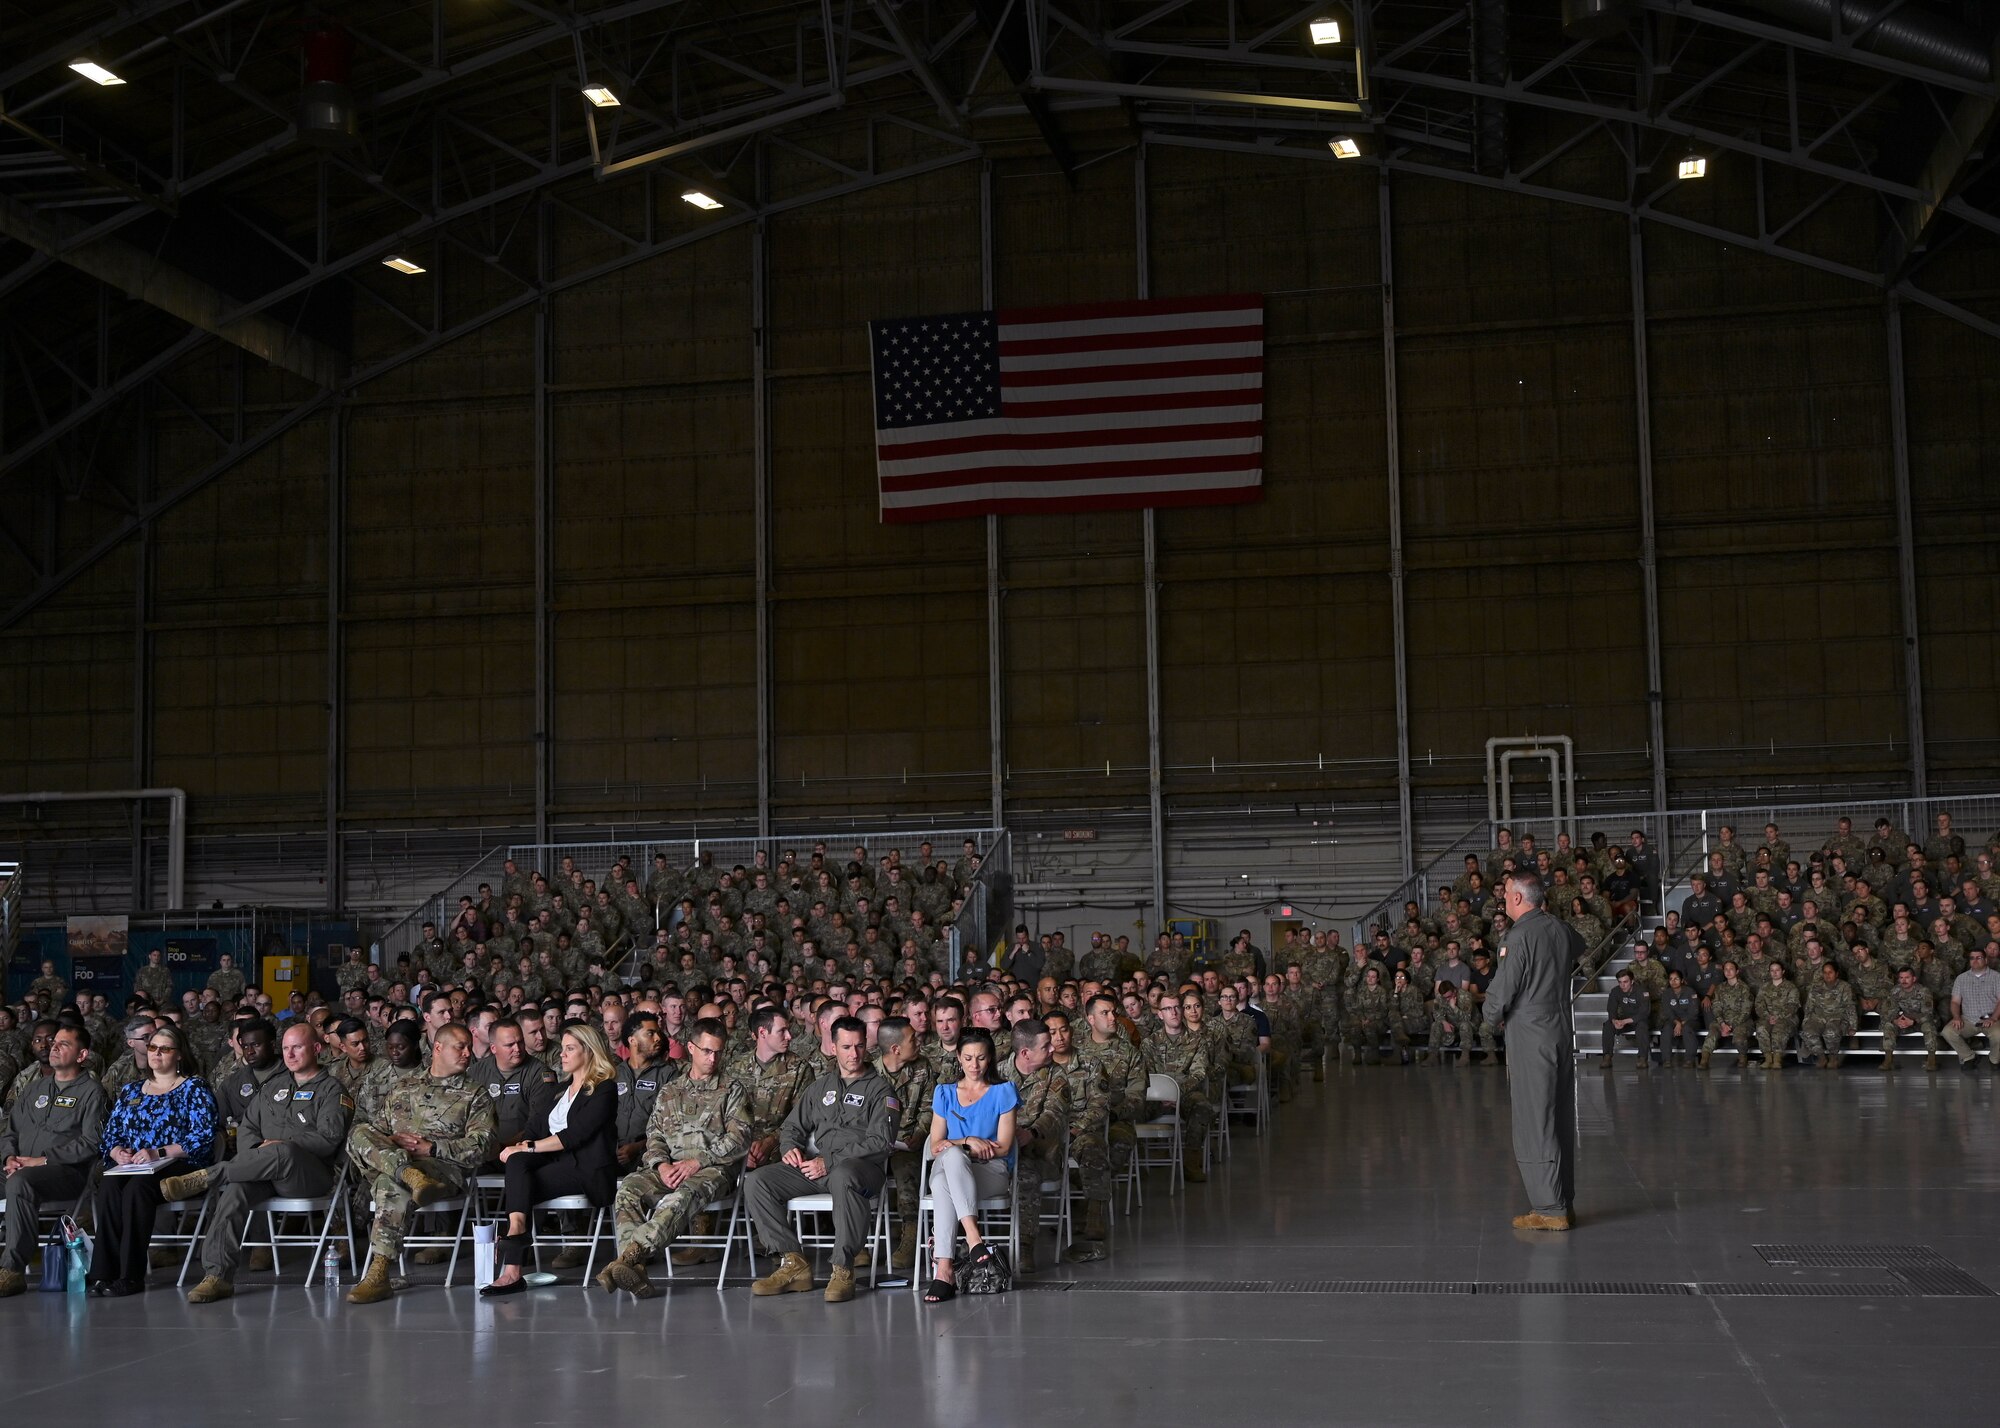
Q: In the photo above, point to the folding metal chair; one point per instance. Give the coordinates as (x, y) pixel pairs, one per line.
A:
(998, 1216)
(567, 1239)
(735, 1220)
(799, 1206)
(1158, 1144)
(181, 1234)
(457, 1210)
(324, 1207)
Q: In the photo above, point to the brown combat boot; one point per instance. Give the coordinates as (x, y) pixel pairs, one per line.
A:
(430, 1254)
(1703, 1062)
(1533, 1221)
(212, 1288)
(12, 1282)
(1889, 1061)
(1191, 1167)
(571, 1257)
(627, 1272)
(702, 1224)
(792, 1276)
(1024, 1264)
(904, 1257)
(1930, 1061)
(191, 1186)
(374, 1286)
(839, 1284)
(424, 1189)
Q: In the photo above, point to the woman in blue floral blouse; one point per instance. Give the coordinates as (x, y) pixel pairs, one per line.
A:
(165, 1124)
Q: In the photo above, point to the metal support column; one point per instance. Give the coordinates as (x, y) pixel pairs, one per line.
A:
(1399, 634)
(336, 594)
(1906, 555)
(545, 562)
(1155, 810)
(1649, 567)
(996, 703)
(760, 482)
(142, 671)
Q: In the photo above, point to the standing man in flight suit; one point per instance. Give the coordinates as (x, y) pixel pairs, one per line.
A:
(1531, 995)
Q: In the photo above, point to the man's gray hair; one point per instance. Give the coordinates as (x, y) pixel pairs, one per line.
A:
(1530, 887)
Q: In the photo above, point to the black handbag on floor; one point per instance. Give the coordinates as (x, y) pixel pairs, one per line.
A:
(987, 1272)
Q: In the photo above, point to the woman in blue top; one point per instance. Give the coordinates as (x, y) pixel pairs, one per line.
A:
(972, 1155)
(166, 1124)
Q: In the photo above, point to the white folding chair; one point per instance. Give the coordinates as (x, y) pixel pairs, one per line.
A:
(1056, 1193)
(800, 1206)
(319, 1210)
(998, 1216)
(1251, 1098)
(1158, 1144)
(456, 1211)
(182, 1234)
(45, 1216)
(735, 1221)
(586, 1241)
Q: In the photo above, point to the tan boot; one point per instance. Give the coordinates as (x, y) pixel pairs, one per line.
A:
(904, 1257)
(571, 1257)
(424, 1189)
(191, 1186)
(1888, 1061)
(839, 1285)
(260, 1258)
(1093, 1219)
(792, 1276)
(12, 1282)
(430, 1254)
(702, 1224)
(1191, 1167)
(211, 1288)
(1541, 1222)
(1930, 1061)
(374, 1286)
(1703, 1063)
(627, 1272)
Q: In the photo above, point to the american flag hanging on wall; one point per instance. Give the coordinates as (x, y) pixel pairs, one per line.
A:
(1109, 406)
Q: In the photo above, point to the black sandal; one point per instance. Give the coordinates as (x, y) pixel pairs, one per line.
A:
(980, 1252)
(939, 1290)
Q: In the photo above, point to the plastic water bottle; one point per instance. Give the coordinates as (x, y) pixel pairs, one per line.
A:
(332, 1261)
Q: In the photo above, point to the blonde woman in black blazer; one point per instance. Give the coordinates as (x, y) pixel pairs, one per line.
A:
(571, 1151)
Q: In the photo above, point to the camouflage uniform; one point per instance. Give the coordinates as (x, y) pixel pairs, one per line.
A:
(55, 989)
(913, 1084)
(1916, 1004)
(372, 1086)
(1830, 1016)
(1121, 1069)
(1044, 1109)
(1409, 1019)
(1368, 1010)
(449, 1111)
(1185, 1058)
(156, 985)
(769, 1088)
(120, 1074)
(706, 1121)
(1735, 1004)
(1454, 1022)
(1777, 1018)
(227, 984)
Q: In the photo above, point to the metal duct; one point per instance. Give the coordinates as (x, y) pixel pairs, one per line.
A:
(1488, 20)
(1915, 37)
(326, 108)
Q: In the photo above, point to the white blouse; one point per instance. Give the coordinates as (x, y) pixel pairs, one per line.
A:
(559, 1113)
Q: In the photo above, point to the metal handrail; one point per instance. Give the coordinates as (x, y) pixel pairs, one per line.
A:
(1479, 836)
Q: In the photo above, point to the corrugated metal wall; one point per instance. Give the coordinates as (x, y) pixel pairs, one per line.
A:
(1781, 630)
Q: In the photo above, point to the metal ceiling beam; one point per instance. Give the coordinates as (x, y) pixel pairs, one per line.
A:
(249, 444)
(1967, 135)
(146, 279)
(1817, 45)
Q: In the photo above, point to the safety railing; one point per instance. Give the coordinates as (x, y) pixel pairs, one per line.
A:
(1421, 886)
(402, 935)
(10, 911)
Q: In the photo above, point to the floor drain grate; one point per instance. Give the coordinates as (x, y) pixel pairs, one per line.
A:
(1372, 1286)
(1941, 1281)
(1787, 1289)
(1824, 1256)
(1585, 1286)
(1175, 1286)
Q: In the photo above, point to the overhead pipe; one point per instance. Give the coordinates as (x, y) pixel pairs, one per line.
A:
(1889, 29)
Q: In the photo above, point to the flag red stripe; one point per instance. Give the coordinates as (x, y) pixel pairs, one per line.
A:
(1070, 376)
(1115, 341)
(1135, 307)
(1075, 471)
(1059, 505)
(1055, 440)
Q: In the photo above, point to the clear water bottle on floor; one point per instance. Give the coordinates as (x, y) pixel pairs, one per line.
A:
(332, 1275)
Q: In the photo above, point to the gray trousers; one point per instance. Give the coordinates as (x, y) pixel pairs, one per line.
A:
(1542, 1087)
(851, 1183)
(1641, 1029)
(247, 1180)
(26, 1191)
(1690, 1037)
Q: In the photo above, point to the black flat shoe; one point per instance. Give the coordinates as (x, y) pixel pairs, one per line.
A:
(501, 1291)
(126, 1288)
(99, 1288)
(939, 1290)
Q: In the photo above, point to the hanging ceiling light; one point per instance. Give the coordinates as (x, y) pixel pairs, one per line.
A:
(1693, 166)
(95, 72)
(601, 96)
(1324, 31)
(701, 200)
(1344, 147)
(409, 267)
